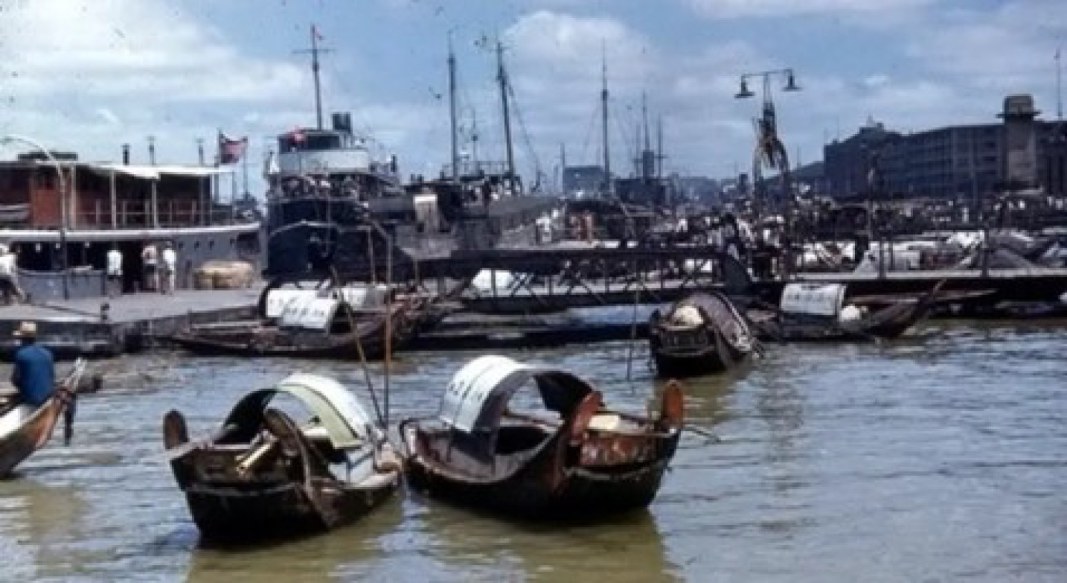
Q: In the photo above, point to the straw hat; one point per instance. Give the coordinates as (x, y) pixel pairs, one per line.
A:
(26, 330)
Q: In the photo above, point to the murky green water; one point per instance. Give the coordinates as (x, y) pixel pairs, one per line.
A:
(933, 459)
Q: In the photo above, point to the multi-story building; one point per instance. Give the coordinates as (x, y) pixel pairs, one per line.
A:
(963, 162)
(1053, 162)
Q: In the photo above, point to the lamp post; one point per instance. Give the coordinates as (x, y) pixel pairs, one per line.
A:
(12, 138)
(770, 150)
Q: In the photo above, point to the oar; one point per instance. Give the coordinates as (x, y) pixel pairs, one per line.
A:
(70, 408)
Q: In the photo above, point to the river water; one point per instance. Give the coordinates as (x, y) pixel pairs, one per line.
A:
(936, 458)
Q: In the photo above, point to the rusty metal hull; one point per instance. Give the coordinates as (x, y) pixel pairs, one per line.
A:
(552, 485)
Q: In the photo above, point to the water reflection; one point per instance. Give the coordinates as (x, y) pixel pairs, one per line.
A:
(470, 545)
(313, 558)
(36, 522)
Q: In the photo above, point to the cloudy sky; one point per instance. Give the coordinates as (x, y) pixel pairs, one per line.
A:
(89, 75)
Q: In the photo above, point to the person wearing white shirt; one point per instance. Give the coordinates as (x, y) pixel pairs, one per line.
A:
(170, 269)
(114, 272)
(150, 260)
(9, 272)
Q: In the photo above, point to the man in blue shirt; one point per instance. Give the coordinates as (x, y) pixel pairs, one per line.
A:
(34, 374)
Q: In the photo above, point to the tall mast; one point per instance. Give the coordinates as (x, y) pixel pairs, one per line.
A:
(659, 147)
(644, 116)
(1059, 86)
(604, 120)
(315, 73)
(314, 51)
(474, 139)
(562, 165)
(452, 108)
(638, 154)
(502, 77)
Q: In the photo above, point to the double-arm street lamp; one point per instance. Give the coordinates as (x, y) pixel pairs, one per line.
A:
(769, 149)
(790, 83)
(62, 183)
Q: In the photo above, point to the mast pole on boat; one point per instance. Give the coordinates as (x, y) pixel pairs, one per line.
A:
(502, 78)
(604, 120)
(452, 108)
(659, 147)
(646, 172)
(315, 73)
(314, 51)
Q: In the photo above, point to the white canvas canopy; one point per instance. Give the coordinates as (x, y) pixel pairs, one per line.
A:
(477, 395)
(309, 313)
(338, 412)
(813, 299)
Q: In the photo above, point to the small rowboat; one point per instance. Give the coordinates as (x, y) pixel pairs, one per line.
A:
(25, 429)
(263, 476)
(701, 334)
(822, 312)
(575, 459)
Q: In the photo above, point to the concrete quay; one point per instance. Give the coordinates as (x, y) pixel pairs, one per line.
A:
(130, 323)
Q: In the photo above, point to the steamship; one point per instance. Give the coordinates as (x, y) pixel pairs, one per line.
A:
(333, 210)
(61, 215)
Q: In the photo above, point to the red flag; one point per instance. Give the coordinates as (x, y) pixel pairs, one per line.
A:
(231, 151)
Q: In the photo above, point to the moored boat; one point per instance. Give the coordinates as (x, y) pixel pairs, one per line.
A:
(822, 312)
(25, 429)
(262, 476)
(703, 333)
(309, 324)
(580, 459)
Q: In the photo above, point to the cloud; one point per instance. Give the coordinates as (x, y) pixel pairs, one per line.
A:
(91, 76)
(725, 9)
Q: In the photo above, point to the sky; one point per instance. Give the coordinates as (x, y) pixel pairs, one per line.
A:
(90, 75)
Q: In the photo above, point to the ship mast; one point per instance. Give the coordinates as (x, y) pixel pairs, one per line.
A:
(659, 147)
(452, 108)
(646, 170)
(502, 78)
(604, 121)
(314, 52)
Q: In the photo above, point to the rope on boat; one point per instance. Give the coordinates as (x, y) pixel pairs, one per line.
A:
(361, 353)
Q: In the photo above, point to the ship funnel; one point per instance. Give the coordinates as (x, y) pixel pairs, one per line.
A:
(342, 122)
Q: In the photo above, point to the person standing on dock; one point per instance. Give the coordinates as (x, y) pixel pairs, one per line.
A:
(34, 373)
(9, 272)
(114, 272)
(170, 268)
(150, 260)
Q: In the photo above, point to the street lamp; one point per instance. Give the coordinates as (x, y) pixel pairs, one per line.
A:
(769, 149)
(12, 138)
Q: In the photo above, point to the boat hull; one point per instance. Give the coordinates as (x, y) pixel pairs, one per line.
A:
(276, 511)
(691, 364)
(549, 487)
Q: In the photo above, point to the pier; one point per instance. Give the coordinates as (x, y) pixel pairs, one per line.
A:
(103, 327)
